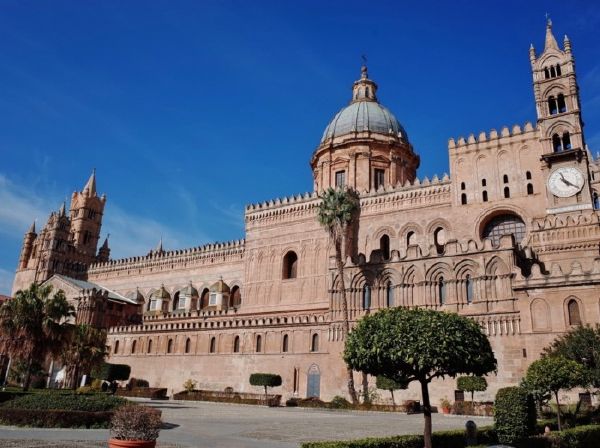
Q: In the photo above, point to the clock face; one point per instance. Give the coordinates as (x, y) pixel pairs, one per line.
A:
(565, 182)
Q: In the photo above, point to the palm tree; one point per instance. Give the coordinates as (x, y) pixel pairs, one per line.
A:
(85, 349)
(337, 213)
(33, 326)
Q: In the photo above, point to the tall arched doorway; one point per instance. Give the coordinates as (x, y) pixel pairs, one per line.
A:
(313, 387)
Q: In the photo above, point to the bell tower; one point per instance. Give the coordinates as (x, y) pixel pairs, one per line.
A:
(86, 217)
(564, 154)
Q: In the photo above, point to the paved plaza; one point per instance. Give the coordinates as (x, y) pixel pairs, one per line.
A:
(219, 425)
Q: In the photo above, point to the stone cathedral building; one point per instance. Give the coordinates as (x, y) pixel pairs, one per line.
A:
(511, 239)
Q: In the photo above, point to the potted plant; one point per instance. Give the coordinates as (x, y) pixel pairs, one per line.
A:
(134, 427)
(445, 405)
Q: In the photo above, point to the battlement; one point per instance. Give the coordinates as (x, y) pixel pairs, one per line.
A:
(207, 251)
(472, 142)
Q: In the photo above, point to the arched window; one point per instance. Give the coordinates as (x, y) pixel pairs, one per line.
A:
(133, 344)
(469, 288)
(235, 297)
(566, 141)
(384, 247)
(410, 238)
(484, 196)
(556, 143)
(204, 299)
(506, 192)
(188, 344)
(463, 199)
(504, 225)
(483, 182)
(552, 109)
(149, 350)
(213, 344)
(285, 343)
(505, 178)
(441, 290)
(529, 188)
(439, 239)
(573, 309)
(560, 104)
(546, 73)
(558, 72)
(314, 343)
(116, 347)
(552, 72)
(258, 344)
(596, 201)
(528, 175)
(170, 346)
(462, 186)
(236, 344)
(389, 295)
(366, 297)
(290, 265)
(177, 303)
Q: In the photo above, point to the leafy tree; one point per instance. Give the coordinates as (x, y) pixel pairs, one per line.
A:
(34, 325)
(265, 380)
(112, 372)
(551, 374)
(581, 345)
(433, 344)
(86, 349)
(391, 384)
(337, 214)
(471, 384)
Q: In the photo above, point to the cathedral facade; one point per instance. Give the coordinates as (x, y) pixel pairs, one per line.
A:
(510, 239)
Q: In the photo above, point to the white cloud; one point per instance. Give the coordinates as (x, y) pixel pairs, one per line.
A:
(6, 281)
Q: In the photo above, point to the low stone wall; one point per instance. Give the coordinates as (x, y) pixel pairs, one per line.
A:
(154, 393)
(228, 397)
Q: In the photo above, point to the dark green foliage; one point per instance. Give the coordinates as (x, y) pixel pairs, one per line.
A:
(71, 402)
(154, 393)
(137, 382)
(514, 414)
(579, 437)
(55, 418)
(265, 379)
(442, 439)
(385, 383)
(581, 345)
(112, 372)
(339, 403)
(471, 383)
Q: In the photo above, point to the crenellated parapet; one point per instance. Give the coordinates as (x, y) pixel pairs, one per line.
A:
(557, 274)
(202, 255)
(492, 139)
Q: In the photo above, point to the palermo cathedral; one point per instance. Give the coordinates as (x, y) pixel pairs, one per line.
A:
(510, 239)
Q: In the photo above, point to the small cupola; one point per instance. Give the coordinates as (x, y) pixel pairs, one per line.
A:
(219, 295)
(364, 89)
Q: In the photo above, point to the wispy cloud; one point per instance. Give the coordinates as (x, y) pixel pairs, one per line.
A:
(6, 280)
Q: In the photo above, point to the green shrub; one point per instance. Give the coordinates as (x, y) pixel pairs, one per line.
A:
(265, 379)
(442, 439)
(97, 384)
(471, 383)
(54, 418)
(71, 402)
(112, 372)
(85, 390)
(339, 402)
(587, 436)
(514, 414)
(291, 402)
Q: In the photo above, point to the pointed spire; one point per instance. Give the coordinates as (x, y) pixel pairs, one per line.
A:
(531, 53)
(61, 211)
(550, 39)
(90, 186)
(159, 248)
(32, 227)
(567, 44)
(105, 244)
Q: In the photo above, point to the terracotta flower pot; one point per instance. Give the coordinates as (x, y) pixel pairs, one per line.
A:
(116, 443)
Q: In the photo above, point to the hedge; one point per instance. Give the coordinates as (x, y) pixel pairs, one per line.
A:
(154, 393)
(514, 414)
(444, 439)
(70, 402)
(54, 418)
(587, 436)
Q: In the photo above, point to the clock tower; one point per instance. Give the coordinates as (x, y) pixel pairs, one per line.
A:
(564, 154)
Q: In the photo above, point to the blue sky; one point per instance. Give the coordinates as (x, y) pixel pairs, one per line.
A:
(190, 110)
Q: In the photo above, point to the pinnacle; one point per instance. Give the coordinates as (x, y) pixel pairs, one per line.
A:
(550, 39)
(90, 186)
(32, 227)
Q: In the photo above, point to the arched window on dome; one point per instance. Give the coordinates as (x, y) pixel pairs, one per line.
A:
(290, 265)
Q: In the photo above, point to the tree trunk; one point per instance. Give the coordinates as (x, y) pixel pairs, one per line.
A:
(266, 397)
(365, 385)
(27, 379)
(426, 413)
(393, 401)
(557, 411)
(340, 269)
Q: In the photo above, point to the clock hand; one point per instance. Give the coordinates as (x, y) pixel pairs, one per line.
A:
(565, 181)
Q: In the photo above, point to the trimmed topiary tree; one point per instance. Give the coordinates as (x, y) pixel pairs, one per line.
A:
(514, 414)
(471, 384)
(419, 345)
(385, 383)
(551, 374)
(265, 380)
